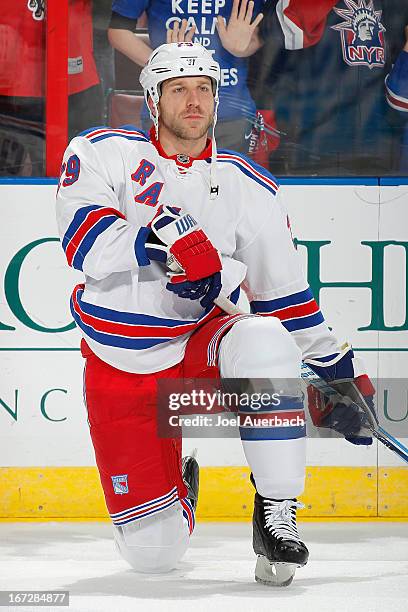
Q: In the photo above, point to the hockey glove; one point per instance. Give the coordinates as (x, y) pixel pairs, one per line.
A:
(345, 418)
(177, 237)
(206, 288)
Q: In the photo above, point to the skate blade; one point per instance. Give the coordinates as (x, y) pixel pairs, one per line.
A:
(274, 573)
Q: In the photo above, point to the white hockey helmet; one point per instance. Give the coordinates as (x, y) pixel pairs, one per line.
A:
(178, 60)
(181, 59)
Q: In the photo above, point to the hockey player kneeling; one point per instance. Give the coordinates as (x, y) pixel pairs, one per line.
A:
(130, 206)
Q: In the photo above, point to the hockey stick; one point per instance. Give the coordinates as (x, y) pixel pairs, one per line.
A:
(331, 393)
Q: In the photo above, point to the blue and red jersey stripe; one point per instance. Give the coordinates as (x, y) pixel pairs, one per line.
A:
(129, 330)
(88, 223)
(397, 102)
(100, 133)
(253, 171)
(296, 311)
(396, 84)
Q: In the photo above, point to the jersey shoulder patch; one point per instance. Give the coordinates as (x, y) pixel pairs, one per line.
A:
(249, 168)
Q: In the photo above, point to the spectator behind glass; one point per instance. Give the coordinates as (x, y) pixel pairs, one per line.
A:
(397, 96)
(322, 69)
(229, 28)
(22, 82)
(102, 50)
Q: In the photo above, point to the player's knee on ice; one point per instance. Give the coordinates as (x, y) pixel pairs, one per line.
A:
(259, 347)
(154, 544)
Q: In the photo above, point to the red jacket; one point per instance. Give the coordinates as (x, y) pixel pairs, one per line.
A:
(22, 48)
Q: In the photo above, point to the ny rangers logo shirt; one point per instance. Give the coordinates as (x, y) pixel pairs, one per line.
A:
(361, 34)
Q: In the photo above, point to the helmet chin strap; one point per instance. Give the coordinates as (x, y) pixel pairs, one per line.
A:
(155, 118)
(213, 166)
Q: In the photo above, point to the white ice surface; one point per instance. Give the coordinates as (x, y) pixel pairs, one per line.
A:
(353, 567)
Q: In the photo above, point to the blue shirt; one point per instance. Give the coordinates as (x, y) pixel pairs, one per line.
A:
(235, 99)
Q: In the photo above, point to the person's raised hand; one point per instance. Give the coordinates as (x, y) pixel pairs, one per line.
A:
(236, 35)
(179, 33)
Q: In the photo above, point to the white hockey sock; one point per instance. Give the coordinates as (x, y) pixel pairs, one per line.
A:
(278, 466)
(263, 348)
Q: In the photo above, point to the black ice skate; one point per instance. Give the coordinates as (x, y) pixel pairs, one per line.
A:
(190, 470)
(276, 541)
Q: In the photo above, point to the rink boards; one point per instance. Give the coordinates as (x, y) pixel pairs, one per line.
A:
(353, 239)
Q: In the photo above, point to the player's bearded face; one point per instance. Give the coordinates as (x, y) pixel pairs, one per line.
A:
(186, 107)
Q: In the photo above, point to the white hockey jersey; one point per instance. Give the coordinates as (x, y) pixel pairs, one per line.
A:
(111, 184)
